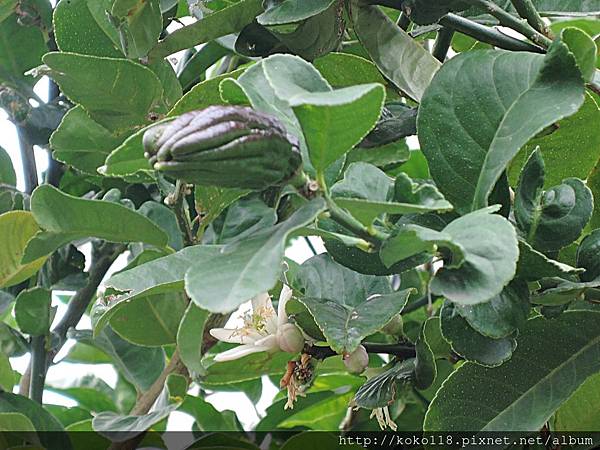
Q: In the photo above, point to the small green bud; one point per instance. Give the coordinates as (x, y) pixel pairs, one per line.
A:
(357, 361)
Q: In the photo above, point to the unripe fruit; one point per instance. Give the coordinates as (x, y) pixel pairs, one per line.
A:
(226, 146)
(357, 361)
(289, 338)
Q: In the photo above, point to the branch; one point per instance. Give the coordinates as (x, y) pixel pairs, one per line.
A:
(508, 20)
(400, 350)
(487, 34)
(528, 11)
(442, 43)
(37, 373)
(28, 160)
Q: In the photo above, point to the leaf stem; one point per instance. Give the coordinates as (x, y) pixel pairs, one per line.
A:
(528, 11)
(423, 301)
(369, 234)
(508, 20)
(487, 34)
(442, 43)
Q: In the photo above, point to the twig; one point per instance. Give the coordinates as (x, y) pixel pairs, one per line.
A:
(28, 159)
(508, 20)
(400, 350)
(310, 245)
(442, 43)
(403, 21)
(345, 219)
(177, 202)
(487, 34)
(423, 301)
(528, 11)
(38, 368)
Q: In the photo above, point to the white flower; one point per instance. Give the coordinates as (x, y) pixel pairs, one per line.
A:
(383, 418)
(263, 330)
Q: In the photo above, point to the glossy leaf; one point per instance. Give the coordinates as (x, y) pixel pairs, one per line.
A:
(533, 265)
(534, 371)
(580, 412)
(7, 375)
(7, 171)
(399, 57)
(16, 60)
(246, 268)
(220, 23)
(290, 11)
(32, 311)
(16, 229)
(139, 23)
(118, 79)
(484, 255)
(472, 345)
(588, 256)
(502, 315)
(190, 337)
(512, 93)
(381, 390)
(553, 218)
(425, 368)
(345, 325)
(65, 218)
(366, 192)
(160, 276)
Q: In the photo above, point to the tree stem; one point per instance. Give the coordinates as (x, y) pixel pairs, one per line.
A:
(508, 20)
(528, 11)
(487, 34)
(38, 368)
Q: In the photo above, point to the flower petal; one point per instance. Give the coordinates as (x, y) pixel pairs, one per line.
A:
(235, 336)
(240, 352)
(269, 341)
(261, 301)
(284, 296)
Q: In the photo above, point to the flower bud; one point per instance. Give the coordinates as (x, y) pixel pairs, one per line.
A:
(289, 338)
(357, 361)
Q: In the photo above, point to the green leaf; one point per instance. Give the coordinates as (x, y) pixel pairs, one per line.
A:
(565, 291)
(344, 70)
(90, 393)
(220, 23)
(166, 219)
(65, 218)
(345, 325)
(346, 114)
(7, 7)
(366, 192)
(81, 142)
(50, 431)
(484, 255)
(588, 256)
(399, 57)
(160, 276)
(425, 368)
(195, 68)
(151, 320)
(432, 332)
(120, 428)
(381, 390)
(16, 229)
(533, 265)
(7, 375)
(321, 277)
(554, 218)
(290, 11)
(7, 171)
(70, 17)
(583, 48)
(207, 417)
(246, 268)
(575, 133)
(12, 421)
(117, 79)
(581, 411)
(248, 368)
(470, 344)
(502, 315)
(518, 93)
(423, 12)
(139, 23)
(190, 337)
(32, 311)
(211, 201)
(86, 354)
(141, 366)
(15, 60)
(554, 356)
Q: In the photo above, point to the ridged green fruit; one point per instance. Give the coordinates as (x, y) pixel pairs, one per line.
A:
(226, 146)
